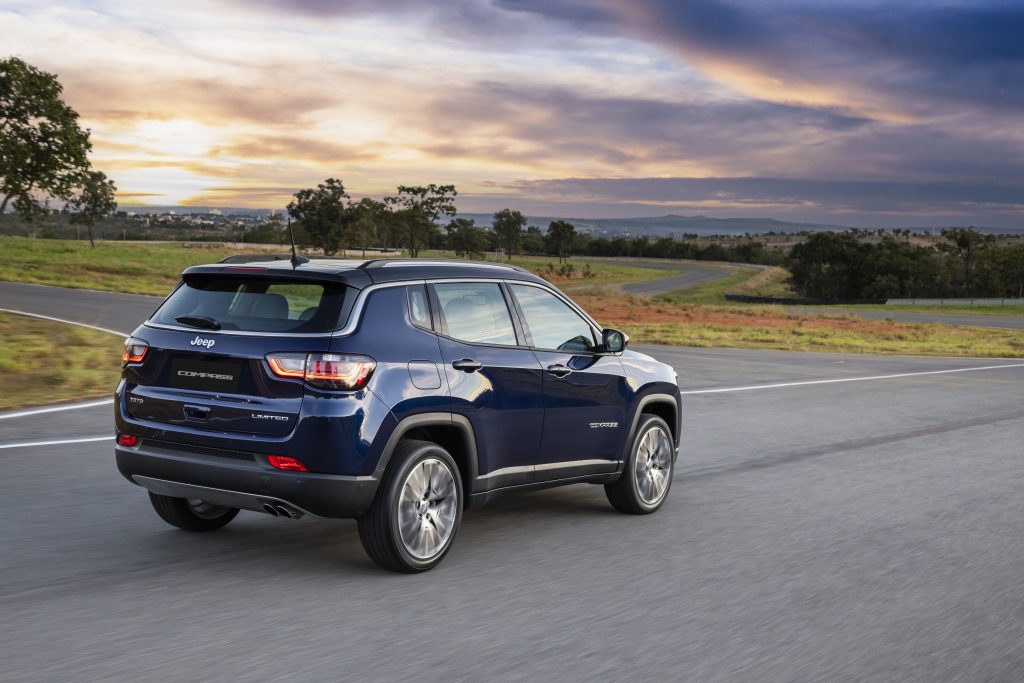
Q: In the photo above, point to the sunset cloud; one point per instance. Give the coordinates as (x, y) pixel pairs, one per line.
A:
(851, 112)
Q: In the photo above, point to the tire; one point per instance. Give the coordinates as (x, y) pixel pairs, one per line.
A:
(191, 515)
(647, 473)
(397, 532)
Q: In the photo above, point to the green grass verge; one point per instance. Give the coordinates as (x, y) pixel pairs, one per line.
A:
(657, 321)
(47, 362)
(967, 310)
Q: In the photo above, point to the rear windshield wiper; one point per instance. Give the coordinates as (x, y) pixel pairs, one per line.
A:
(198, 321)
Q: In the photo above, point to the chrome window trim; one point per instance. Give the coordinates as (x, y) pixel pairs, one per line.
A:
(356, 314)
(360, 302)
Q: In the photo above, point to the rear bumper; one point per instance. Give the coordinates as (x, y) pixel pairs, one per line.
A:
(245, 485)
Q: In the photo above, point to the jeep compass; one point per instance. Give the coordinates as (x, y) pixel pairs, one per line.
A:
(396, 392)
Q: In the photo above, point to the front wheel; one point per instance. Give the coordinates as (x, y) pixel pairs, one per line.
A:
(647, 473)
(412, 522)
(191, 514)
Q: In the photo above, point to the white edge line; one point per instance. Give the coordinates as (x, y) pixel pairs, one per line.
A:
(80, 289)
(61, 320)
(848, 379)
(57, 442)
(55, 409)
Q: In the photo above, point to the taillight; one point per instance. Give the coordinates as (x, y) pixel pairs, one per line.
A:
(284, 462)
(128, 440)
(324, 370)
(134, 350)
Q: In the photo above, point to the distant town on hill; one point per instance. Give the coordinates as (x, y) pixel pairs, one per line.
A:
(670, 225)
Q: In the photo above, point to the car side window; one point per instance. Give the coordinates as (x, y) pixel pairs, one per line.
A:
(419, 311)
(551, 323)
(476, 312)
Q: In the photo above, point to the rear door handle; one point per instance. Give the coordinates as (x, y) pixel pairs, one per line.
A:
(467, 365)
(559, 370)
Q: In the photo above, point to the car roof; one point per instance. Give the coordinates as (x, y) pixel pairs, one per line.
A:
(362, 273)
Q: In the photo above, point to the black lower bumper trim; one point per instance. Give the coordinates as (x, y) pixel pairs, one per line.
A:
(324, 495)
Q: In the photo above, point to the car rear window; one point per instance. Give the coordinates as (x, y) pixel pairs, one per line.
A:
(252, 304)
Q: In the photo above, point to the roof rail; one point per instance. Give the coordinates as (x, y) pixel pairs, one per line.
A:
(253, 258)
(379, 262)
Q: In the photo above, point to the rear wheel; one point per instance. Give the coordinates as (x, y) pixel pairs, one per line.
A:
(647, 474)
(191, 514)
(414, 519)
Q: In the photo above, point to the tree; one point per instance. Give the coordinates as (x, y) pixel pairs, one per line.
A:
(416, 208)
(970, 246)
(1012, 266)
(42, 148)
(561, 234)
(370, 217)
(93, 201)
(508, 225)
(827, 265)
(533, 241)
(323, 214)
(465, 238)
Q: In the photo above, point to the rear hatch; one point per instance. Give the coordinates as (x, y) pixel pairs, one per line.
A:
(206, 364)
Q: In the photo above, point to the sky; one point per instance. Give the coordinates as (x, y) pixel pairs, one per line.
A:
(845, 111)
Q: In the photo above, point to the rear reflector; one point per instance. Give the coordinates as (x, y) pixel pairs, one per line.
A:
(283, 462)
(127, 440)
(324, 370)
(134, 350)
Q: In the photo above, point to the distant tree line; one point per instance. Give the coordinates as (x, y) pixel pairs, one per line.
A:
(966, 263)
(424, 217)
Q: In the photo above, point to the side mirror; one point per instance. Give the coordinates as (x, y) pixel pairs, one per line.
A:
(613, 341)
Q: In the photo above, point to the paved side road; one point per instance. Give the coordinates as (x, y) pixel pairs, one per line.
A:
(688, 274)
(120, 312)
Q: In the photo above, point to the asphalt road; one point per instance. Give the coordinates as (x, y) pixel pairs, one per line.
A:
(121, 312)
(1011, 322)
(688, 274)
(849, 530)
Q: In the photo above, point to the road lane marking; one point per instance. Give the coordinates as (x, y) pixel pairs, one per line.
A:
(62, 320)
(80, 289)
(55, 409)
(57, 442)
(781, 385)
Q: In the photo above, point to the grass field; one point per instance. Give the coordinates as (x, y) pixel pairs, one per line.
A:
(47, 362)
(140, 268)
(110, 266)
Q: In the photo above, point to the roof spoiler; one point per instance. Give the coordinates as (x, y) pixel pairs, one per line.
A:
(254, 258)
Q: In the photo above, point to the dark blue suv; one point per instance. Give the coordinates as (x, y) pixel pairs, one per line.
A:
(396, 392)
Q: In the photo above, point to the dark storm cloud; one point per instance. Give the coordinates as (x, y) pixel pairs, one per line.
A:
(916, 54)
